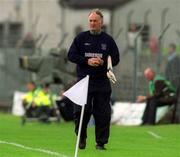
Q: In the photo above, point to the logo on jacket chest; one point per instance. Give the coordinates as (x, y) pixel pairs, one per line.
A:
(87, 44)
(90, 54)
(103, 46)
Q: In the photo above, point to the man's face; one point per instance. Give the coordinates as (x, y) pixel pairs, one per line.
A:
(95, 22)
(170, 49)
(149, 75)
(30, 86)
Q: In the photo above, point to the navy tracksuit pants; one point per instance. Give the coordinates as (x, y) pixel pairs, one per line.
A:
(98, 105)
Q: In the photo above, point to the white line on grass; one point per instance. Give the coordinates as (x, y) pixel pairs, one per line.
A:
(34, 149)
(154, 134)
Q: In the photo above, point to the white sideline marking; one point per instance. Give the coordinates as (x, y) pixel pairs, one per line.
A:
(34, 149)
(154, 135)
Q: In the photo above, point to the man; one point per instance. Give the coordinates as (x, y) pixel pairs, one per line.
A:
(172, 71)
(161, 93)
(89, 51)
(132, 33)
(46, 101)
(29, 103)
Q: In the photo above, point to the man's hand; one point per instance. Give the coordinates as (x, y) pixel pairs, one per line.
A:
(141, 98)
(95, 61)
(111, 76)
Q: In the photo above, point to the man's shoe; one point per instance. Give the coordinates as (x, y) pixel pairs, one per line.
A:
(82, 144)
(100, 147)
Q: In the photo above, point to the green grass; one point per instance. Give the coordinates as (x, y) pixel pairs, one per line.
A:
(125, 141)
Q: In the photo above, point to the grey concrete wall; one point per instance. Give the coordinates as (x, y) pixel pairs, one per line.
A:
(11, 75)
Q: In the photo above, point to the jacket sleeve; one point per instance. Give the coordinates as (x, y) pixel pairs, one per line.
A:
(74, 54)
(159, 88)
(114, 54)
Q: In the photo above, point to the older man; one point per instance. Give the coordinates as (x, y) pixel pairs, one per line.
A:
(161, 93)
(89, 51)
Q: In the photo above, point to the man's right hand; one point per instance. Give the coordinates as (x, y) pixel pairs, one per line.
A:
(141, 98)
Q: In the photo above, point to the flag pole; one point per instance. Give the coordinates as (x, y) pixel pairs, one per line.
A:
(79, 130)
(73, 95)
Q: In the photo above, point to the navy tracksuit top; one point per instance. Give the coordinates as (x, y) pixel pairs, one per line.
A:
(86, 45)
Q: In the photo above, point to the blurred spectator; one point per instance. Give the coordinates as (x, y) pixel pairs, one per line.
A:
(133, 31)
(40, 103)
(29, 100)
(46, 103)
(161, 93)
(153, 45)
(172, 71)
(65, 105)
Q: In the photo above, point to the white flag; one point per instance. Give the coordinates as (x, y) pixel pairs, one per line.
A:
(109, 63)
(78, 92)
(110, 73)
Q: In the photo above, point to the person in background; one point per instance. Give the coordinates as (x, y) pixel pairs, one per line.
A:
(89, 51)
(29, 102)
(46, 103)
(132, 34)
(161, 93)
(172, 71)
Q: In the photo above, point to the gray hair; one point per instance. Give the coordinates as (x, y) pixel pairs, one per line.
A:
(97, 11)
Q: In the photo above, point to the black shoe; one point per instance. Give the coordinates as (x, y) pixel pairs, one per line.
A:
(82, 143)
(147, 124)
(100, 147)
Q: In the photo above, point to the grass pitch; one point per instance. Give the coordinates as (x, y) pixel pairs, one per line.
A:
(58, 140)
